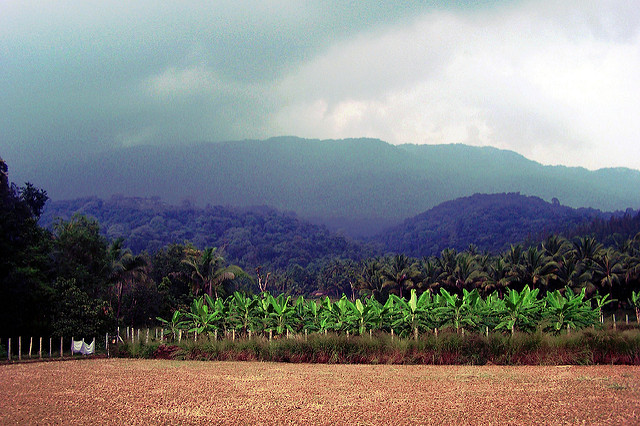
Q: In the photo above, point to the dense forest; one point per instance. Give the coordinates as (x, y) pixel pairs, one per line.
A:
(251, 237)
(72, 279)
(492, 222)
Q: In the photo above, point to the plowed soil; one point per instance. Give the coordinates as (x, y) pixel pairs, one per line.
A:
(123, 391)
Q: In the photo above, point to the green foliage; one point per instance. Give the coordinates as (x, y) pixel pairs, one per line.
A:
(77, 314)
(569, 310)
(520, 310)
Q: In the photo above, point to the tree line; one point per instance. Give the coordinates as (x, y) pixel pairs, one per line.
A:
(71, 280)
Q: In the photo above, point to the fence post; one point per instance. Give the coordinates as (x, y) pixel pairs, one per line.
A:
(147, 340)
(392, 334)
(270, 334)
(106, 343)
(9, 349)
(233, 335)
(40, 351)
(614, 322)
(179, 336)
(627, 319)
(50, 346)
(30, 345)
(435, 331)
(370, 335)
(138, 335)
(61, 346)
(72, 338)
(19, 348)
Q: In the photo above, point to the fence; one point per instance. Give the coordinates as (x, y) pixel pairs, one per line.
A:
(56, 349)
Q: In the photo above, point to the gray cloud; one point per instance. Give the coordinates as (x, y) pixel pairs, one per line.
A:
(554, 81)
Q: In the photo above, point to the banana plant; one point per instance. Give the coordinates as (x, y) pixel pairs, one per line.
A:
(366, 315)
(171, 327)
(311, 312)
(635, 302)
(412, 314)
(243, 312)
(601, 301)
(203, 316)
(522, 310)
(569, 309)
(338, 315)
(455, 311)
(281, 314)
(488, 310)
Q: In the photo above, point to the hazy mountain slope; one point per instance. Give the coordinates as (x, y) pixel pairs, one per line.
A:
(490, 221)
(357, 185)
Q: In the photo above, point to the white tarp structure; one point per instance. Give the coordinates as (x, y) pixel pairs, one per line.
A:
(81, 347)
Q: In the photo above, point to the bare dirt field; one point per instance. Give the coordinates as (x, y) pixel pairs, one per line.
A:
(124, 391)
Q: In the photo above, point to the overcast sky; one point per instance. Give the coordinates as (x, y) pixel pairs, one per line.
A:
(557, 81)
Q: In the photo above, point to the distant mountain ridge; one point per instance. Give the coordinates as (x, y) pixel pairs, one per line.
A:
(264, 236)
(250, 237)
(491, 222)
(358, 186)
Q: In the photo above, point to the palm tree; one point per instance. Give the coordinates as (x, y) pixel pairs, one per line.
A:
(427, 272)
(586, 248)
(537, 268)
(398, 274)
(370, 280)
(125, 270)
(608, 269)
(466, 272)
(498, 277)
(447, 262)
(574, 274)
(210, 271)
(556, 247)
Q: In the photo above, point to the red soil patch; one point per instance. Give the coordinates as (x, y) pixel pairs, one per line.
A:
(125, 391)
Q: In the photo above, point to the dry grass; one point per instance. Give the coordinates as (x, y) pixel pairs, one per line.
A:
(125, 391)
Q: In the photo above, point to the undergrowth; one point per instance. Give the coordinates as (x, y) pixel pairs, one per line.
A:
(579, 348)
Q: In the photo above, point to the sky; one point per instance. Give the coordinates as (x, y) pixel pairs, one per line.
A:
(556, 81)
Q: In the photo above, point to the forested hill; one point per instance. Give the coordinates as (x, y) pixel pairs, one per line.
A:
(250, 237)
(359, 186)
(491, 222)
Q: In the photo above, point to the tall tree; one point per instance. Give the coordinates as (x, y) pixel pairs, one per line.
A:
(210, 271)
(126, 269)
(25, 261)
(398, 275)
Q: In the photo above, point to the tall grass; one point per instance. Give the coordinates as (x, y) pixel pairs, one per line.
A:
(582, 348)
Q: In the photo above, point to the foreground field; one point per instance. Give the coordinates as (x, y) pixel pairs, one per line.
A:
(125, 391)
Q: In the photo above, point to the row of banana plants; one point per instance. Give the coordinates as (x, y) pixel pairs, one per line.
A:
(266, 314)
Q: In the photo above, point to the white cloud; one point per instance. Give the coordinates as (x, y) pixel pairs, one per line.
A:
(554, 80)
(558, 84)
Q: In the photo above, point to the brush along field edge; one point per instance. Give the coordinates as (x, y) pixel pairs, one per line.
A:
(190, 392)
